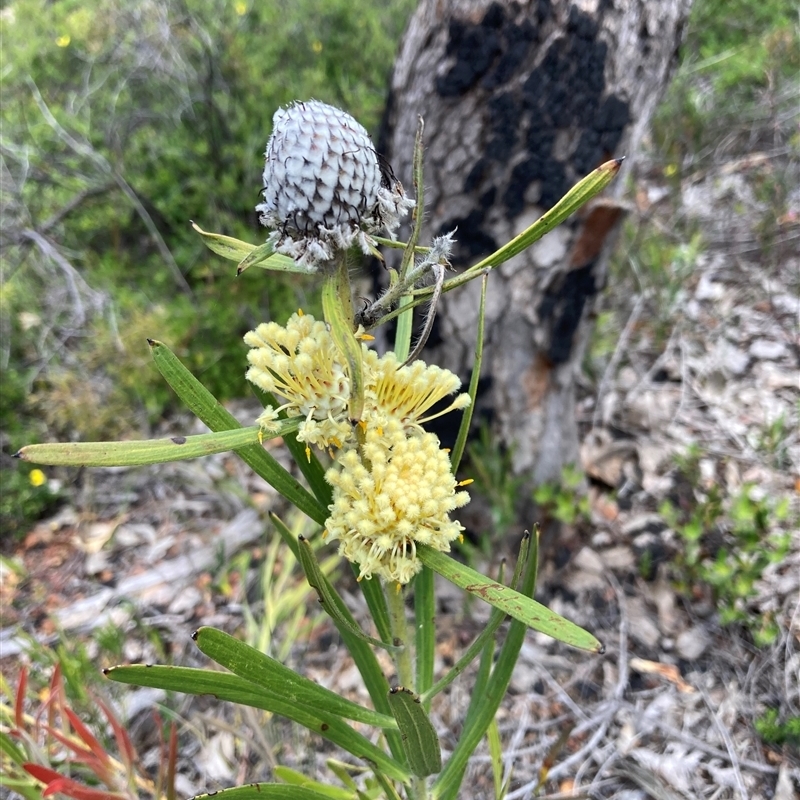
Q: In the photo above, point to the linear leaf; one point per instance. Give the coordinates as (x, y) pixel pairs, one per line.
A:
(246, 254)
(295, 778)
(486, 700)
(578, 195)
(466, 416)
(232, 688)
(484, 638)
(425, 617)
(138, 453)
(265, 671)
(420, 742)
(516, 605)
(361, 652)
(316, 579)
(376, 602)
(337, 308)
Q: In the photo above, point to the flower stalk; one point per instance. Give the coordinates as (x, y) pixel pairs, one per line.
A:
(396, 600)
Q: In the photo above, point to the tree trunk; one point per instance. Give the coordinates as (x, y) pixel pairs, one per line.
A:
(521, 100)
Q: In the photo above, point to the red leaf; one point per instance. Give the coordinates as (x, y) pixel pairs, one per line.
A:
(58, 783)
(126, 748)
(84, 756)
(173, 760)
(43, 774)
(20, 698)
(87, 736)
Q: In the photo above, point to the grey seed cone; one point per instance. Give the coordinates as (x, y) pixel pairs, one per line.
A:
(323, 186)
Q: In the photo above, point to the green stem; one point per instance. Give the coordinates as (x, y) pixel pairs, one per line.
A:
(395, 597)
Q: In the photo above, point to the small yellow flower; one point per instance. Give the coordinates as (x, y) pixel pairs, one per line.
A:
(301, 363)
(240, 7)
(37, 477)
(406, 393)
(394, 493)
(63, 41)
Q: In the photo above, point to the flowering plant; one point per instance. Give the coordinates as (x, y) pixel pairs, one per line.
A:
(390, 492)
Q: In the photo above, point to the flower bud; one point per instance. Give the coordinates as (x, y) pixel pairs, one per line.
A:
(324, 188)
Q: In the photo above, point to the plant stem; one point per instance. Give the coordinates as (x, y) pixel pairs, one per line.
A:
(395, 597)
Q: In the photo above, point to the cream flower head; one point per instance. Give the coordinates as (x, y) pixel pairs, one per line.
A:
(301, 363)
(396, 493)
(407, 393)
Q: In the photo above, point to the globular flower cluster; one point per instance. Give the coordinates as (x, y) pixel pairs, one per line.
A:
(393, 487)
(396, 492)
(324, 189)
(300, 363)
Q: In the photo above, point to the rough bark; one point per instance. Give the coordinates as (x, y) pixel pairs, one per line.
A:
(520, 100)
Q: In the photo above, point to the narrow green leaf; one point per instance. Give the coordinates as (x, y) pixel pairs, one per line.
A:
(337, 308)
(206, 407)
(324, 590)
(495, 757)
(516, 605)
(405, 321)
(578, 195)
(466, 417)
(405, 328)
(581, 193)
(486, 701)
(289, 539)
(269, 791)
(11, 749)
(138, 453)
(26, 787)
(389, 790)
(235, 689)
(420, 742)
(265, 257)
(241, 252)
(339, 769)
(265, 671)
(396, 244)
(425, 620)
(294, 778)
(482, 677)
(376, 602)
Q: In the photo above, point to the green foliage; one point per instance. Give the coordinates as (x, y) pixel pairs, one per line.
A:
(774, 731)
(743, 38)
(726, 548)
(773, 441)
(23, 498)
(564, 500)
(733, 51)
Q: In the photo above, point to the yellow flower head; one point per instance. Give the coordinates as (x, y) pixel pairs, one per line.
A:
(395, 492)
(301, 363)
(405, 394)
